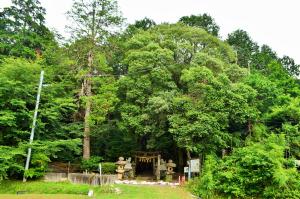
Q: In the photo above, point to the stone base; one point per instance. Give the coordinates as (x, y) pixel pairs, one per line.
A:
(169, 178)
(120, 176)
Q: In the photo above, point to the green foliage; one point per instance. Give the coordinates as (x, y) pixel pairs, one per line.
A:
(12, 159)
(204, 21)
(244, 46)
(205, 185)
(56, 132)
(170, 88)
(44, 151)
(93, 20)
(108, 167)
(17, 91)
(8, 161)
(143, 24)
(91, 164)
(289, 64)
(258, 170)
(262, 58)
(104, 99)
(18, 88)
(22, 30)
(163, 63)
(285, 117)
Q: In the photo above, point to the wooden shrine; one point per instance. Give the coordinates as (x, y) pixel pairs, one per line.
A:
(150, 157)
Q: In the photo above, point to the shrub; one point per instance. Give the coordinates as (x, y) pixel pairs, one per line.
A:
(8, 161)
(259, 171)
(205, 186)
(91, 164)
(108, 167)
(12, 158)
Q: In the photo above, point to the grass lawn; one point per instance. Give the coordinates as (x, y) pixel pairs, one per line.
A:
(65, 190)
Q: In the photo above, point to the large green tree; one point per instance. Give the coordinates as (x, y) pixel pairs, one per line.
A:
(93, 21)
(56, 128)
(22, 29)
(244, 46)
(183, 88)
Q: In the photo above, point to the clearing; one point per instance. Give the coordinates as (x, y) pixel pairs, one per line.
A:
(45, 190)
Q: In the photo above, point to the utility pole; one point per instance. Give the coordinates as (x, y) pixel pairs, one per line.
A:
(34, 123)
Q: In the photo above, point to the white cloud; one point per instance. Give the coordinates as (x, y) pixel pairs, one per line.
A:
(272, 22)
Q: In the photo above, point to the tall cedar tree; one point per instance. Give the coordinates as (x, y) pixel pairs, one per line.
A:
(93, 21)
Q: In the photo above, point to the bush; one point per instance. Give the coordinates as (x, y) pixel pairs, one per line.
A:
(12, 158)
(108, 167)
(91, 164)
(259, 171)
(8, 162)
(205, 186)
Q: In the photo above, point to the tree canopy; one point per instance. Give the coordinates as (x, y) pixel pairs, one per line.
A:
(176, 88)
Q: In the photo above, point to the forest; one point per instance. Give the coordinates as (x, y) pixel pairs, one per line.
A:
(114, 88)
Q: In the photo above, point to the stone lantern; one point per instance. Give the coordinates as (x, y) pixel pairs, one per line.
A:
(170, 170)
(128, 169)
(120, 170)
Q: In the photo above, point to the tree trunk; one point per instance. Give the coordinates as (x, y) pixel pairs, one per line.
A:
(86, 135)
(88, 93)
(188, 154)
(180, 160)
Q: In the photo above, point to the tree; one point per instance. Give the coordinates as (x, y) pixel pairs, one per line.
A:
(204, 21)
(289, 64)
(285, 117)
(22, 29)
(55, 124)
(143, 24)
(244, 46)
(115, 48)
(161, 97)
(263, 57)
(93, 21)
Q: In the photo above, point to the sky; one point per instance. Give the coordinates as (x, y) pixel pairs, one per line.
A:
(271, 22)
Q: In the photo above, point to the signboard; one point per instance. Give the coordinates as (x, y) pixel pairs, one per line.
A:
(186, 169)
(195, 165)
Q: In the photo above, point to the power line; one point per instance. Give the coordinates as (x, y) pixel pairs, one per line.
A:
(112, 75)
(128, 74)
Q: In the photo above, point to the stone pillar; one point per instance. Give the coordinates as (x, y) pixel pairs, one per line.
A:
(158, 168)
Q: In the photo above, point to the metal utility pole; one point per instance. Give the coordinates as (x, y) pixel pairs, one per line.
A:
(34, 122)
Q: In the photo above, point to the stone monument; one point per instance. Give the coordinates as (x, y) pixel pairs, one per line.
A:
(120, 170)
(128, 169)
(170, 170)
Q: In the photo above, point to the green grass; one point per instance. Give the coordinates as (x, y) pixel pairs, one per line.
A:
(46, 190)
